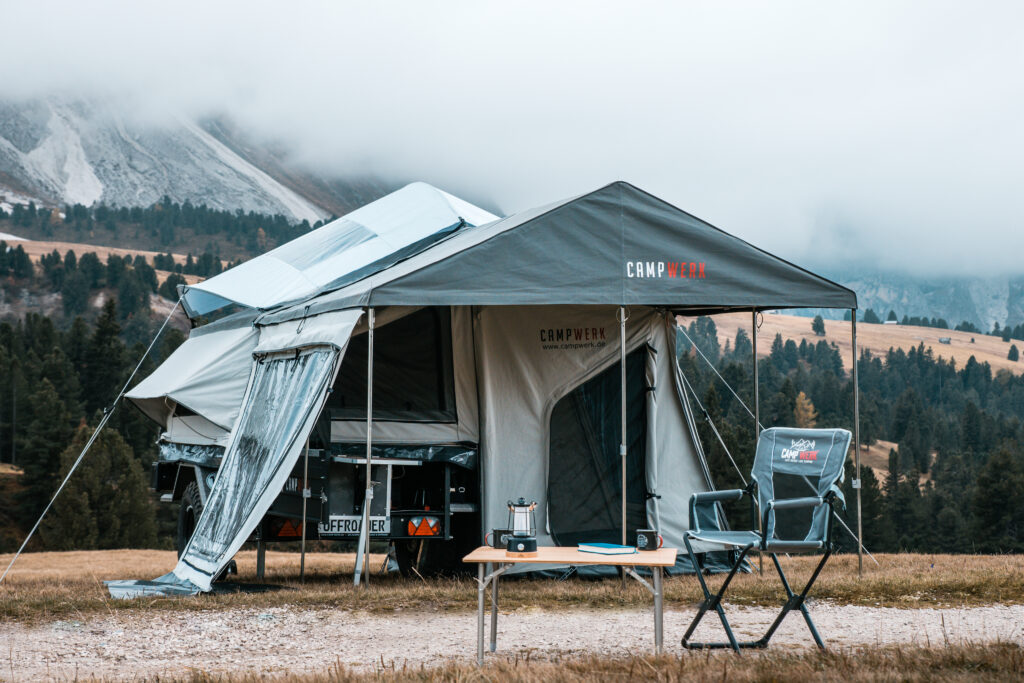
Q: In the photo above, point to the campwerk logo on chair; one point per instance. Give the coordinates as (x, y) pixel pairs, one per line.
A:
(800, 449)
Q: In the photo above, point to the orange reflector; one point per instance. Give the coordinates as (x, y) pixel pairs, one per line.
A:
(423, 526)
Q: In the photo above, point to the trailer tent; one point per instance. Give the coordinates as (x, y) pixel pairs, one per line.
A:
(506, 348)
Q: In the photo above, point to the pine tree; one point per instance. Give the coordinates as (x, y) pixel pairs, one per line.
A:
(47, 434)
(871, 317)
(818, 326)
(892, 316)
(1014, 354)
(103, 371)
(106, 503)
(998, 513)
(74, 293)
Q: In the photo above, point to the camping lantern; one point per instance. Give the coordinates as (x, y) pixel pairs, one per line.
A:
(523, 523)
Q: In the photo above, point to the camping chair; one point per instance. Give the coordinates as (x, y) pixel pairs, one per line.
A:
(789, 464)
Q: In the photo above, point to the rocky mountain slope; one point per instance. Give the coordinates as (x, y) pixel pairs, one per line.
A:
(58, 151)
(980, 300)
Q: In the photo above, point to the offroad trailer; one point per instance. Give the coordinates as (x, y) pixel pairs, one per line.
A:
(425, 495)
(414, 501)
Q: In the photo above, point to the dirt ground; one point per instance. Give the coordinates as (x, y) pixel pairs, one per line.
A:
(282, 640)
(57, 623)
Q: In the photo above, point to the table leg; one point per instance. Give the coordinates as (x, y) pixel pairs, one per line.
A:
(658, 611)
(480, 615)
(494, 612)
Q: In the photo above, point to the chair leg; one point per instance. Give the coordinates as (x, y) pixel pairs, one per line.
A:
(713, 602)
(794, 601)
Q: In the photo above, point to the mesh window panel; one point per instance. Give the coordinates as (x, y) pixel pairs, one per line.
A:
(284, 392)
(412, 372)
(793, 525)
(584, 466)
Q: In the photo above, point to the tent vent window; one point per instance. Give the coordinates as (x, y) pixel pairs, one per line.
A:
(412, 372)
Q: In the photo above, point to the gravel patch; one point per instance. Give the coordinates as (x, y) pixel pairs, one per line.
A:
(293, 640)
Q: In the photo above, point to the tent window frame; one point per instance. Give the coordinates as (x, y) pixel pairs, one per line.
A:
(565, 390)
(444, 410)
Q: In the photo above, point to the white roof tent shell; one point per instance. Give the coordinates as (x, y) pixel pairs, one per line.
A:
(208, 374)
(367, 239)
(577, 260)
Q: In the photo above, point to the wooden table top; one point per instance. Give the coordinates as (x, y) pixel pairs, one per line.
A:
(663, 557)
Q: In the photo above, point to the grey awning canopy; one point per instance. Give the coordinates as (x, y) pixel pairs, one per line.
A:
(616, 245)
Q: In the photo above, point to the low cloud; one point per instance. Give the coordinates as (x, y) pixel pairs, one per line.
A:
(889, 132)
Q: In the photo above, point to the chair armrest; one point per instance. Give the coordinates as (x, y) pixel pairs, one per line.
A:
(717, 496)
(792, 503)
(704, 509)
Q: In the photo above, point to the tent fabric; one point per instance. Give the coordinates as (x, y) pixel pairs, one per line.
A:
(284, 394)
(207, 374)
(617, 245)
(368, 239)
(283, 399)
(465, 428)
(330, 329)
(529, 358)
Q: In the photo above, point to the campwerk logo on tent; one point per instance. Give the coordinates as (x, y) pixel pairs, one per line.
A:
(684, 270)
(572, 338)
(800, 449)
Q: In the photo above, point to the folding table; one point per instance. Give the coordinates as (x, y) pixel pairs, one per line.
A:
(503, 561)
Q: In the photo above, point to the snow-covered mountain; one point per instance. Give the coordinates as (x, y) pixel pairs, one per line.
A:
(70, 151)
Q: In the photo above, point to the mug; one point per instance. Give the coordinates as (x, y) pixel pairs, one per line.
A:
(497, 538)
(648, 539)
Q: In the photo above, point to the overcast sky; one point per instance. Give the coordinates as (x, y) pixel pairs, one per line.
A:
(888, 131)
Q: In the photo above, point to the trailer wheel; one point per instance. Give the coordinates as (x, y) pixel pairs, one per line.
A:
(188, 515)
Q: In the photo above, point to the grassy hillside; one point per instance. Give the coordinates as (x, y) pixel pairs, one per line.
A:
(876, 338)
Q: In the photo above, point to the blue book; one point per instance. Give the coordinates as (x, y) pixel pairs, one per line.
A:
(606, 548)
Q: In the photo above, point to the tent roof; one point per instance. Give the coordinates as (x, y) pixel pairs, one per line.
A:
(615, 245)
(366, 240)
(207, 374)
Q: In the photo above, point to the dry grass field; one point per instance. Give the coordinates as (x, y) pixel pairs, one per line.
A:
(47, 586)
(999, 662)
(878, 338)
(57, 622)
(36, 249)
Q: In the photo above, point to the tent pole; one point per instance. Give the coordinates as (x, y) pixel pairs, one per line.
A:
(757, 388)
(622, 444)
(856, 442)
(757, 415)
(365, 531)
(305, 497)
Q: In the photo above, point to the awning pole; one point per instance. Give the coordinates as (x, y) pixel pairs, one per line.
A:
(622, 445)
(305, 497)
(757, 420)
(856, 442)
(364, 533)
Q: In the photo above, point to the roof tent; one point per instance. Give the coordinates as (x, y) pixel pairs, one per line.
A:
(561, 323)
(617, 245)
(368, 239)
